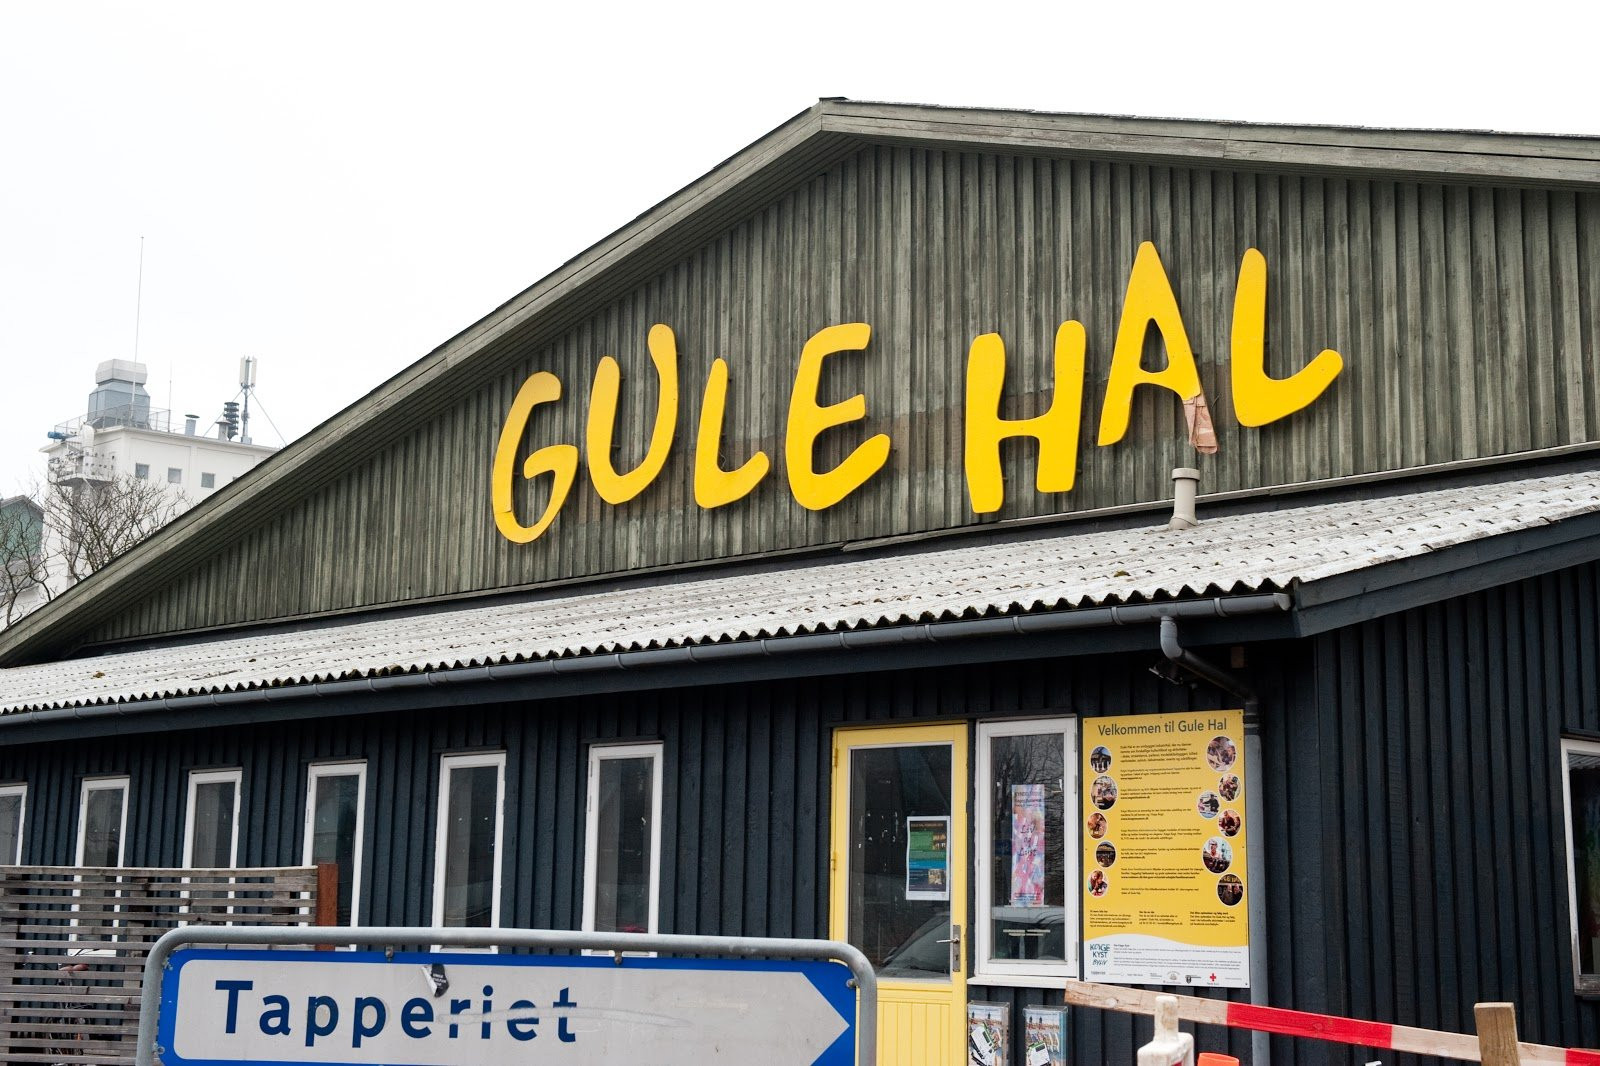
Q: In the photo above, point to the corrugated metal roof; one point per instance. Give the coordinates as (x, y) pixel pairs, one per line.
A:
(1241, 553)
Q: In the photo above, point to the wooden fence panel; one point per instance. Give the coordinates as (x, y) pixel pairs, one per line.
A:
(73, 941)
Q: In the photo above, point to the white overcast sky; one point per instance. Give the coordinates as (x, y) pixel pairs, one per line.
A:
(336, 188)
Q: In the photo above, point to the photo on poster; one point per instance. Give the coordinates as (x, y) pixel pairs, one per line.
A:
(988, 1034)
(928, 857)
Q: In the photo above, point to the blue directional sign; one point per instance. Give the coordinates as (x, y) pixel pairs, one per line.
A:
(224, 1006)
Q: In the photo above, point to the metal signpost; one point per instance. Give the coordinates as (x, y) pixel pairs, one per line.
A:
(700, 1001)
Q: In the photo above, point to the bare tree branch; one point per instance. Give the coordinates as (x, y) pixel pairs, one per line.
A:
(23, 567)
(86, 524)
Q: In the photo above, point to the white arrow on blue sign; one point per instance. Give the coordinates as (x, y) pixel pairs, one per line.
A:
(226, 1006)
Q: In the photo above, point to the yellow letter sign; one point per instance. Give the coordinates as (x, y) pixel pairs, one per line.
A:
(619, 488)
(807, 421)
(1056, 429)
(1149, 300)
(558, 459)
(1258, 399)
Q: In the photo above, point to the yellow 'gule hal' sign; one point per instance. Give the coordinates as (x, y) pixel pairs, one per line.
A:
(1149, 301)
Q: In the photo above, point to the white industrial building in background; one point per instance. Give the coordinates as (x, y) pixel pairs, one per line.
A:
(121, 435)
(92, 492)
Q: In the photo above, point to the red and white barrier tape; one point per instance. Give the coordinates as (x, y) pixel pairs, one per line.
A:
(1317, 1026)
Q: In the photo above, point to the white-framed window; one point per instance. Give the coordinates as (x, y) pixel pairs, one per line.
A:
(466, 867)
(211, 831)
(1580, 789)
(622, 839)
(336, 798)
(1027, 852)
(141, 471)
(174, 475)
(13, 816)
(208, 481)
(102, 821)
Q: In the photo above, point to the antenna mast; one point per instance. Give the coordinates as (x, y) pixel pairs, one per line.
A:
(138, 301)
(247, 382)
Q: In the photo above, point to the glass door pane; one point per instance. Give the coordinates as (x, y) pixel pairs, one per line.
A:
(336, 805)
(10, 828)
(624, 831)
(213, 825)
(470, 846)
(102, 831)
(898, 905)
(1028, 830)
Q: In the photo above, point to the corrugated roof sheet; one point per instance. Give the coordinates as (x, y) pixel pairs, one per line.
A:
(1241, 553)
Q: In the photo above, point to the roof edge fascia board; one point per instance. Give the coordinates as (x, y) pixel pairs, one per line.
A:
(1488, 142)
(1565, 162)
(1457, 570)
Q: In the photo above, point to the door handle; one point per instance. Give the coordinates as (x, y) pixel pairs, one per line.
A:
(954, 940)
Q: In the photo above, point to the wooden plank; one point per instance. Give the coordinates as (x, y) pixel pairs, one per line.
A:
(1497, 1034)
(327, 912)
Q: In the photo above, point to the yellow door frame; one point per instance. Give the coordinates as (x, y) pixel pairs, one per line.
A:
(910, 1030)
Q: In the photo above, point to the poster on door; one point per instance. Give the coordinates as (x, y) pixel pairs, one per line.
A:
(1027, 845)
(928, 858)
(1164, 881)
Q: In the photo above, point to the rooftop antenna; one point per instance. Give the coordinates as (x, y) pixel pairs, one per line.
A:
(247, 382)
(138, 301)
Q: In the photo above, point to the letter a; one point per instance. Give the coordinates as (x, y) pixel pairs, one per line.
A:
(1149, 300)
(1056, 430)
(1258, 399)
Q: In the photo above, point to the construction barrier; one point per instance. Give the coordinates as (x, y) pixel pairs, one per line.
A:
(1315, 1026)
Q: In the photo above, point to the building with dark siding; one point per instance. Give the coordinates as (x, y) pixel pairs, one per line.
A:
(802, 560)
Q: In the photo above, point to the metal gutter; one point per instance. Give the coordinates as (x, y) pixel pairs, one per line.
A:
(1216, 607)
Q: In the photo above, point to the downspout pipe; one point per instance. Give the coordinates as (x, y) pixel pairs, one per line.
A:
(766, 647)
(1260, 1042)
(1205, 671)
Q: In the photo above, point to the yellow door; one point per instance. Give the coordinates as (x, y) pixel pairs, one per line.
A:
(899, 881)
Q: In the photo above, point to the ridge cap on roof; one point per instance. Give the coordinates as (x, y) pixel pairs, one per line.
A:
(1233, 123)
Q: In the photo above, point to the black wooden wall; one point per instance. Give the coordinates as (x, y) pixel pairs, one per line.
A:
(1441, 859)
(1409, 805)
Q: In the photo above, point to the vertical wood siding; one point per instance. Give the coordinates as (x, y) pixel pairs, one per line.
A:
(1442, 850)
(1468, 316)
(1409, 805)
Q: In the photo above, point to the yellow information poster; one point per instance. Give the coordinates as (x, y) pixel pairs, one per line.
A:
(1164, 850)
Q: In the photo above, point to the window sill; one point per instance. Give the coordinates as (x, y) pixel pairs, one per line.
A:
(1021, 980)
